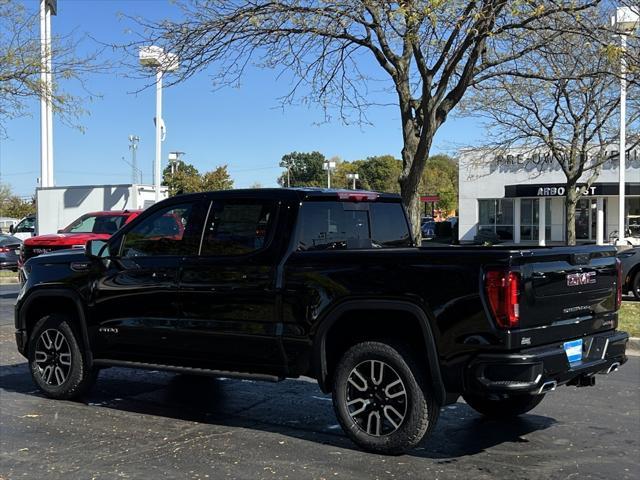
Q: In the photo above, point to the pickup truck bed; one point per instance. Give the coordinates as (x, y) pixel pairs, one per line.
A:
(288, 282)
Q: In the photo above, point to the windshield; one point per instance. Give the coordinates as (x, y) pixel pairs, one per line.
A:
(89, 223)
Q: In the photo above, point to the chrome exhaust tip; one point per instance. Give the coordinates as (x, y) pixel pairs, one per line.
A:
(613, 368)
(549, 386)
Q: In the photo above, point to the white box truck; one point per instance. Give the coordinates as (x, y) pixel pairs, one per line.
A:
(57, 207)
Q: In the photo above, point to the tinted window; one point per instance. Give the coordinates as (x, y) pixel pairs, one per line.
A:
(108, 224)
(389, 227)
(331, 225)
(26, 225)
(163, 233)
(236, 227)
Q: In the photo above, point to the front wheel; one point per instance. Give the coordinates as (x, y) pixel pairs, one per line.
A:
(56, 360)
(381, 398)
(507, 406)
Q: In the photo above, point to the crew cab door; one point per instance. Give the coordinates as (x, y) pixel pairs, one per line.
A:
(136, 305)
(227, 291)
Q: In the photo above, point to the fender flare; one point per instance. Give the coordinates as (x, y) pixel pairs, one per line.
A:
(42, 293)
(431, 355)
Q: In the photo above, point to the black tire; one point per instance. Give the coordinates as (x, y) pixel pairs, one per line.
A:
(417, 403)
(635, 286)
(60, 373)
(505, 407)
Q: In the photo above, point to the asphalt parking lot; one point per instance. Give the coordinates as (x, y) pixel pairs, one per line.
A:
(139, 424)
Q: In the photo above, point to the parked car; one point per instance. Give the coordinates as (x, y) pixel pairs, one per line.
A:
(276, 283)
(428, 229)
(6, 223)
(95, 225)
(630, 259)
(9, 252)
(25, 228)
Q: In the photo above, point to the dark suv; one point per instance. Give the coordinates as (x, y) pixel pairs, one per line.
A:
(277, 283)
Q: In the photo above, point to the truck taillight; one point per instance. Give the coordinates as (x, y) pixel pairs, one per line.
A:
(619, 284)
(503, 289)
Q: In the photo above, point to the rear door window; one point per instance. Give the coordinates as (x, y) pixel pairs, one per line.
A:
(237, 227)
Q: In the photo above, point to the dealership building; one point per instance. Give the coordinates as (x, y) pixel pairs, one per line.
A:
(518, 197)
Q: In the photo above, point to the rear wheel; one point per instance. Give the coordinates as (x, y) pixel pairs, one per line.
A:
(506, 406)
(56, 359)
(381, 399)
(635, 286)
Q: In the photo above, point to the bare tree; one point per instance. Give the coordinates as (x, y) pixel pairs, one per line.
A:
(21, 65)
(427, 52)
(565, 102)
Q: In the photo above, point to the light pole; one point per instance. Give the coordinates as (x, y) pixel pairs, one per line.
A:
(624, 21)
(328, 166)
(133, 146)
(156, 57)
(354, 177)
(47, 8)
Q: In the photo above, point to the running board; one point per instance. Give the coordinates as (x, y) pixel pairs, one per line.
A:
(101, 362)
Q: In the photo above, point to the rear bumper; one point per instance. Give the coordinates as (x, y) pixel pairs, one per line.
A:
(541, 369)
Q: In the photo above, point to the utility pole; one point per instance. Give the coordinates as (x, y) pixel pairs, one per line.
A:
(47, 8)
(133, 146)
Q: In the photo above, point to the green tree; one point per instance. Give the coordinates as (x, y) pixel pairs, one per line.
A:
(13, 206)
(218, 179)
(181, 177)
(441, 178)
(304, 170)
(380, 173)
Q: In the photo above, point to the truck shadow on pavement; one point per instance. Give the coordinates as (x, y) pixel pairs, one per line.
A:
(293, 408)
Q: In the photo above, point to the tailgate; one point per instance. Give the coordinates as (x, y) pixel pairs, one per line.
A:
(565, 284)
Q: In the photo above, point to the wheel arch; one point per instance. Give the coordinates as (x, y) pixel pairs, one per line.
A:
(63, 301)
(342, 311)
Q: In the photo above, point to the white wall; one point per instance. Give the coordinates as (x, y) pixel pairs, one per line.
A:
(57, 207)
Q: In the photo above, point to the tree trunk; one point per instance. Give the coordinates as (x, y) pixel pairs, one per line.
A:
(409, 186)
(571, 201)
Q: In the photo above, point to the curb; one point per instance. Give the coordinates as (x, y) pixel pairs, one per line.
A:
(633, 347)
(9, 280)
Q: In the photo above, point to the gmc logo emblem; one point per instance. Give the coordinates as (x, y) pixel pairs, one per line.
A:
(577, 279)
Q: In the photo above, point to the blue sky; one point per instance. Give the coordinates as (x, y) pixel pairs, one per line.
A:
(244, 127)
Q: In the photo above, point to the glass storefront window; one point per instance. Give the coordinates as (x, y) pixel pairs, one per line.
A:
(530, 219)
(633, 215)
(496, 216)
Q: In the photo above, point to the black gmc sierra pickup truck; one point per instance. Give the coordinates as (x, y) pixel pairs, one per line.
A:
(278, 283)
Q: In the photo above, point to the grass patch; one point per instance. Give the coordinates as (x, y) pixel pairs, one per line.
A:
(629, 316)
(8, 273)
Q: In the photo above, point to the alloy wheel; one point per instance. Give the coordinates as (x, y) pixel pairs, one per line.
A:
(53, 357)
(376, 398)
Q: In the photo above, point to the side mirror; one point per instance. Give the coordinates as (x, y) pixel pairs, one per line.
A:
(11, 229)
(96, 249)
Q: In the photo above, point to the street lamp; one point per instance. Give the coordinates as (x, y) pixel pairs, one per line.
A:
(328, 166)
(354, 177)
(625, 20)
(155, 57)
(47, 8)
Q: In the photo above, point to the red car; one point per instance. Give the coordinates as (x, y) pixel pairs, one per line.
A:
(91, 226)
